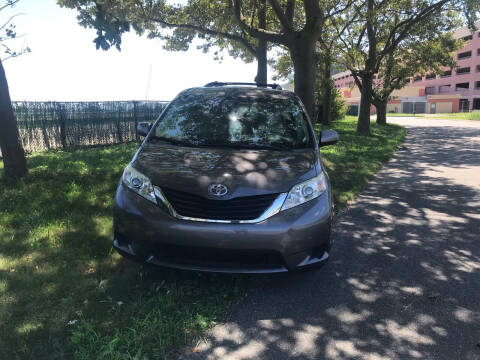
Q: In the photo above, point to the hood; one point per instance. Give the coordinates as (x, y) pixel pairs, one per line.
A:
(244, 172)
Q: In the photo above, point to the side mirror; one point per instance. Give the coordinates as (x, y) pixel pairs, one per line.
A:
(328, 137)
(143, 128)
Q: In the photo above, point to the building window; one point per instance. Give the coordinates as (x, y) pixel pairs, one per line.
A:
(430, 76)
(477, 84)
(417, 78)
(464, 105)
(444, 89)
(462, 71)
(447, 73)
(429, 90)
(467, 38)
(476, 104)
(462, 86)
(478, 51)
(464, 55)
(478, 68)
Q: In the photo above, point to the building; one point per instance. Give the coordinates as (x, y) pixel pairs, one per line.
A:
(455, 90)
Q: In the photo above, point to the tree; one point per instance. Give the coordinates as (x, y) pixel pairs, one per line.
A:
(177, 25)
(382, 27)
(293, 25)
(222, 32)
(14, 161)
(328, 45)
(328, 100)
(416, 56)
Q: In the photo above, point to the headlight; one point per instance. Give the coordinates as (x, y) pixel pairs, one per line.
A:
(306, 191)
(136, 181)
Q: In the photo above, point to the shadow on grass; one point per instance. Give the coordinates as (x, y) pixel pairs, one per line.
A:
(64, 293)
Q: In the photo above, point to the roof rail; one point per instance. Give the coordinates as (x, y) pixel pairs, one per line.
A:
(217, 83)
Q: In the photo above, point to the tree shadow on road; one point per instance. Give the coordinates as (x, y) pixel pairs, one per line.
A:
(404, 278)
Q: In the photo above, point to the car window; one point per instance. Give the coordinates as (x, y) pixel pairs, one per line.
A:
(253, 120)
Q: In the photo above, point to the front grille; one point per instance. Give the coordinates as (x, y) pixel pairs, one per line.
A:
(240, 208)
(218, 258)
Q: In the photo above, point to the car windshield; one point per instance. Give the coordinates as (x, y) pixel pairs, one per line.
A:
(249, 119)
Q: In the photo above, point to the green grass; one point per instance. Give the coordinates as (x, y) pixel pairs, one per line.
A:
(474, 115)
(404, 115)
(65, 294)
(354, 160)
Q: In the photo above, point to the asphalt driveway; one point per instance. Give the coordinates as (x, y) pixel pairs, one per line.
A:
(404, 277)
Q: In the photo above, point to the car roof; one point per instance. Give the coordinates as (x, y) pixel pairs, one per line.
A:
(229, 90)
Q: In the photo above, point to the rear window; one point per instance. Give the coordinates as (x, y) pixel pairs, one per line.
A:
(251, 119)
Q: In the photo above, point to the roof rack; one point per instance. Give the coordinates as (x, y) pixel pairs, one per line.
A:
(217, 83)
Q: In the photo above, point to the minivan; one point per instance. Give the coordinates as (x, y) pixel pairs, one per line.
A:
(229, 178)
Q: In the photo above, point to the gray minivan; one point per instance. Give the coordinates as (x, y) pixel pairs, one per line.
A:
(229, 178)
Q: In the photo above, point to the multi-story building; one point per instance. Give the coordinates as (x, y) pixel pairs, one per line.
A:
(455, 90)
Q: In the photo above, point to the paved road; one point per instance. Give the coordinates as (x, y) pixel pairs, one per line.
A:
(404, 278)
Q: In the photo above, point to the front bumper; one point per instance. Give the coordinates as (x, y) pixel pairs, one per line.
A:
(297, 238)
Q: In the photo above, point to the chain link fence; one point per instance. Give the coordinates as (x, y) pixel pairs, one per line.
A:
(52, 125)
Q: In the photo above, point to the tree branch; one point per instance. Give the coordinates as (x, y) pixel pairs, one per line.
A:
(391, 43)
(286, 25)
(270, 36)
(290, 11)
(203, 30)
(9, 3)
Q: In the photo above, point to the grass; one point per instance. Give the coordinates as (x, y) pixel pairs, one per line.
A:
(474, 115)
(65, 294)
(354, 160)
(404, 115)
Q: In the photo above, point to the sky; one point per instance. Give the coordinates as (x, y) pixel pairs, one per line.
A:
(65, 66)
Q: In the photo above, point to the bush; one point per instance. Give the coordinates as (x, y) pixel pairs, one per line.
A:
(339, 106)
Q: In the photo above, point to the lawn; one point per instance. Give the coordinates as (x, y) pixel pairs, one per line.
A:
(404, 115)
(65, 294)
(474, 115)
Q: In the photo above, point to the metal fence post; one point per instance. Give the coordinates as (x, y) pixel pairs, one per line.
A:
(119, 128)
(63, 135)
(44, 130)
(135, 119)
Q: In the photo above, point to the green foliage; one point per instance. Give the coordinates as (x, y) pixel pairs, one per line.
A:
(66, 294)
(339, 105)
(423, 51)
(210, 22)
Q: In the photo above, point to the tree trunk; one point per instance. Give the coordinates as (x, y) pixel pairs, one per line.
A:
(14, 161)
(327, 93)
(381, 107)
(261, 77)
(262, 70)
(302, 53)
(363, 124)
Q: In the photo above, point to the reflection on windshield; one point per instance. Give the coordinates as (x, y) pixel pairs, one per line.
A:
(252, 120)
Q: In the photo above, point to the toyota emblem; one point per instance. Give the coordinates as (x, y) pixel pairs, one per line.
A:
(217, 189)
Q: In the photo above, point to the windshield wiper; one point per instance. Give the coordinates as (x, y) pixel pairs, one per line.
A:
(249, 146)
(170, 140)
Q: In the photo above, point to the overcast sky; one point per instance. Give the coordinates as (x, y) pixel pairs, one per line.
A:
(65, 66)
